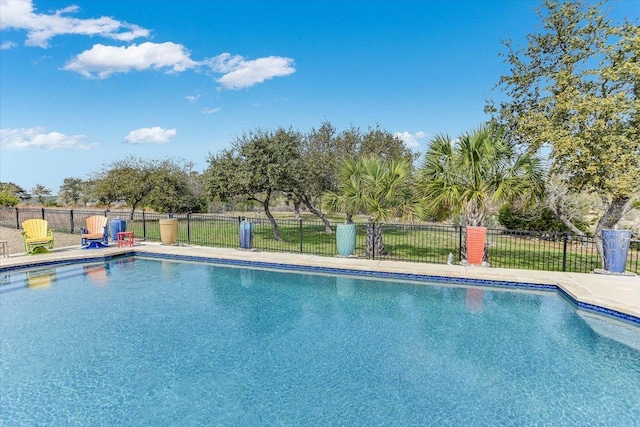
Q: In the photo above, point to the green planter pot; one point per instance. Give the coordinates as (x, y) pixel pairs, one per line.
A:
(346, 239)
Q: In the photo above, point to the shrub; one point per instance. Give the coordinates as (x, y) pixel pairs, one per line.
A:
(9, 200)
(539, 219)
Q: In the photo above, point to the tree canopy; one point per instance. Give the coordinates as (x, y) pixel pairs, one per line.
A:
(324, 150)
(164, 185)
(574, 89)
(71, 191)
(258, 165)
(379, 188)
(303, 166)
(41, 193)
(14, 190)
(476, 172)
(370, 185)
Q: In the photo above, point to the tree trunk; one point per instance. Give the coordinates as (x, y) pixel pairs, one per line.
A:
(319, 214)
(379, 241)
(557, 195)
(575, 230)
(375, 240)
(475, 215)
(567, 222)
(296, 208)
(274, 224)
(614, 211)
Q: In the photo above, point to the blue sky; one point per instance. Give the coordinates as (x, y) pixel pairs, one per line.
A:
(84, 83)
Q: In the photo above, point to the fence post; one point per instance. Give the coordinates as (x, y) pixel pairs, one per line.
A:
(43, 213)
(71, 220)
(188, 228)
(300, 228)
(17, 219)
(564, 252)
(459, 227)
(144, 226)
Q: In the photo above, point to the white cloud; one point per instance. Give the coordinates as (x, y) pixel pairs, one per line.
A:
(19, 139)
(101, 60)
(192, 98)
(40, 27)
(410, 140)
(224, 63)
(7, 45)
(154, 135)
(106, 60)
(240, 73)
(211, 110)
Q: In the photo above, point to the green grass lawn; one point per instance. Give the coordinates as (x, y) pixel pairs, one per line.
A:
(402, 242)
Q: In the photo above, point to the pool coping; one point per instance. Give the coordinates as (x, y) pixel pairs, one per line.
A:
(608, 295)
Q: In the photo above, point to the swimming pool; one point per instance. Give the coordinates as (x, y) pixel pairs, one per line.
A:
(147, 342)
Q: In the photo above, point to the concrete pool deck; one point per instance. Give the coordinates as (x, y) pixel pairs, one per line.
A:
(612, 292)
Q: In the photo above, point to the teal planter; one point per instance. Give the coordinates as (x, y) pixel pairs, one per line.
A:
(615, 245)
(346, 239)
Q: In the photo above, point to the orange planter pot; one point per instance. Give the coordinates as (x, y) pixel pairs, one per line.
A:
(476, 237)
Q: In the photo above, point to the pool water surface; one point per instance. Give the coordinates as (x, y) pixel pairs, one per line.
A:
(155, 342)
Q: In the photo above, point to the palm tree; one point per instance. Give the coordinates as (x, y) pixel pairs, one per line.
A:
(479, 170)
(374, 187)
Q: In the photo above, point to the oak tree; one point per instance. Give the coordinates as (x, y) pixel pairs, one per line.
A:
(575, 89)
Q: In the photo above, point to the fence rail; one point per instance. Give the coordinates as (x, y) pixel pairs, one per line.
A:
(429, 243)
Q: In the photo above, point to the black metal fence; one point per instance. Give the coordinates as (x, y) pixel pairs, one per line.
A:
(429, 243)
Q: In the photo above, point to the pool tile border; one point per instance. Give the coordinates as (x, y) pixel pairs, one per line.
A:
(348, 271)
(341, 271)
(65, 261)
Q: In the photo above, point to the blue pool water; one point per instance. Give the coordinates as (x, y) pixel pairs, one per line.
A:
(153, 343)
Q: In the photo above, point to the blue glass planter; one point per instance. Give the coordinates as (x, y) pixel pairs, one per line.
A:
(615, 245)
(246, 234)
(116, 226)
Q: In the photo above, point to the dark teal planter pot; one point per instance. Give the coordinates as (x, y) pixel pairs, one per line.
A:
(346, 239)
(615, 245)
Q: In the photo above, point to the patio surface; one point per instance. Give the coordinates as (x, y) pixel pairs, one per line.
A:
(613, 292)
